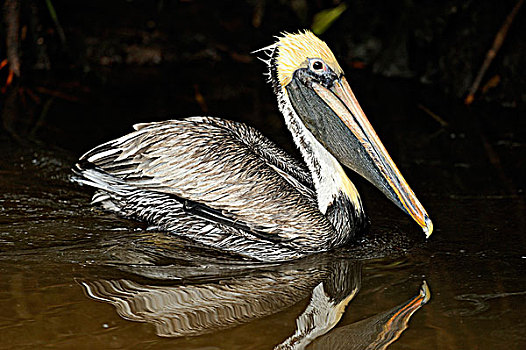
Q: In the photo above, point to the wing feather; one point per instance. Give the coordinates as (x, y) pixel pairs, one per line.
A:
(226, 166)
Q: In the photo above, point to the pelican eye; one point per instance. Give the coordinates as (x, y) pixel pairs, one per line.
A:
(317, 65)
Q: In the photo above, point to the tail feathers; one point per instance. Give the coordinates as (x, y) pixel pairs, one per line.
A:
(111, 191)
(101, 180)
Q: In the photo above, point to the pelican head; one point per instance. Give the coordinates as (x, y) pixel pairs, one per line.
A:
(321, 109)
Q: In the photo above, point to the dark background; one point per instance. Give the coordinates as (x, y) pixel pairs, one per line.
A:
(127, 61)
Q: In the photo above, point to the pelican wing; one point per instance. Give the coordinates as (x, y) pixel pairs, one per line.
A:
(222, 169)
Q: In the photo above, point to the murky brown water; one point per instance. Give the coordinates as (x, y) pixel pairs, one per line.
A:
(74, 277)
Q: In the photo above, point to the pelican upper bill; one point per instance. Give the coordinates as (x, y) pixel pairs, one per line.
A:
(225, 185)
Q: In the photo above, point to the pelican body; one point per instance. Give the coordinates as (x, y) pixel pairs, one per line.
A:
(225, 185)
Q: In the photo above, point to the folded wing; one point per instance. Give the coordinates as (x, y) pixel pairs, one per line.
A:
(222, 172)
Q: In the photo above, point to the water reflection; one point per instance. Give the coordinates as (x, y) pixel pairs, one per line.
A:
(376, 332)
(233, 293)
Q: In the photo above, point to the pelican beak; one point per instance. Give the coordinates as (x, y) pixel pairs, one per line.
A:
(332, 114)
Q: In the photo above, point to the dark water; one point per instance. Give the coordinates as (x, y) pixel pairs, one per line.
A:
(75, 277)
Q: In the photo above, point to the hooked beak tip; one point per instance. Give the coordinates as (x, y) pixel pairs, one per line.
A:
(428, 228)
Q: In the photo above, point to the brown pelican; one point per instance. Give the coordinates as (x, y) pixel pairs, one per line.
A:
(223, 184)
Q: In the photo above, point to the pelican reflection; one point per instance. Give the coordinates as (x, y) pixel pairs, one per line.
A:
(193, 307)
